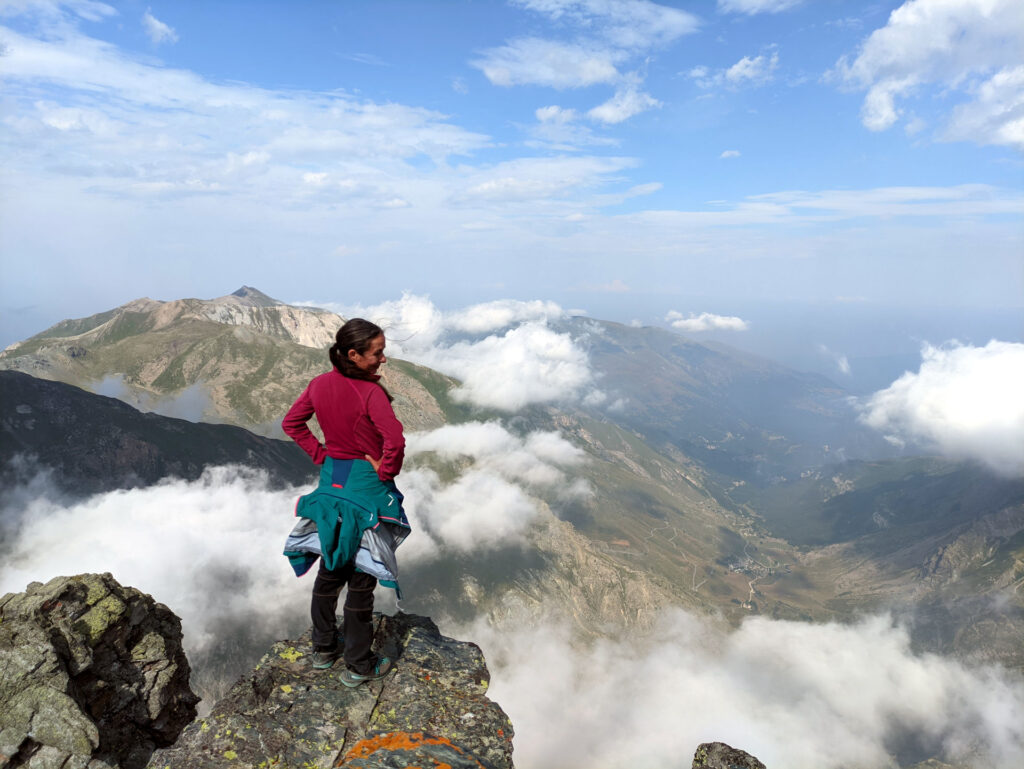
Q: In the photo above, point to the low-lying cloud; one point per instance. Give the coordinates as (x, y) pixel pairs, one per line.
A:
(209, 549)
(706, 321)
(796, 695)
(505, 353)
(504, 479)
(964, 402)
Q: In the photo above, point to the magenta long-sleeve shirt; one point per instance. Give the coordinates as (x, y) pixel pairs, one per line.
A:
(356, 418)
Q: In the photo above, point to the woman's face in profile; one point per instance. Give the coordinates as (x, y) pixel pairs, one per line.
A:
(370, 360)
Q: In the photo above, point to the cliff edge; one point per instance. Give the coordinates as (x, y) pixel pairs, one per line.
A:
(431, 710)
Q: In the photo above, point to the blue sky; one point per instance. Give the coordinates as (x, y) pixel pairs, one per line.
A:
(744, 159)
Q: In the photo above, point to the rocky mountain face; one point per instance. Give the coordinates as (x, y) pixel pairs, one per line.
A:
(93, 443)
(92, 675)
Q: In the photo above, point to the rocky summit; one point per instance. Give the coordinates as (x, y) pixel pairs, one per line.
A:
(432, 710)
(92, 675)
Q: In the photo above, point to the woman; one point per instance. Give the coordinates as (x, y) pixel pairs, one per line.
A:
(363, 453)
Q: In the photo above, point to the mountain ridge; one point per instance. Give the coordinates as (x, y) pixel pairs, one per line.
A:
(691, 491)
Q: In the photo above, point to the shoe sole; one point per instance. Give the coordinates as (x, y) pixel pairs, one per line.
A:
(353, 682)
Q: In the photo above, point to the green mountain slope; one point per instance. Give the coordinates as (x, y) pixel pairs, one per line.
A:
(247, 355)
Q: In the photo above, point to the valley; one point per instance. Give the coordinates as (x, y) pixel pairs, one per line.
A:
(719, 483)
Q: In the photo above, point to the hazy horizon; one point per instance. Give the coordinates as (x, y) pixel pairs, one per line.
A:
(785, 163)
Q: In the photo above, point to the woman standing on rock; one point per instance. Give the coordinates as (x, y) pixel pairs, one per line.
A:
(354, 519)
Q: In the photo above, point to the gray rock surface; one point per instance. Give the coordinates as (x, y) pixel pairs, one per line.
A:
(431, 710)
(718, 755)
(92, 674)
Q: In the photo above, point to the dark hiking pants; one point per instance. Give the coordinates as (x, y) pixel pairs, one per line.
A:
(358, 613)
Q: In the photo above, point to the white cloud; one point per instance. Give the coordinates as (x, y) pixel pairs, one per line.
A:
(706, 321)
(134, 127)
(555, 114)
(748, 71)
(558, 128)
(967, 46)
(477, 512)
(90, 10)
(626, 103)
(527, 364)
(796, 695)
(611, 34)
(752, 7)
(753, 70)
(964, 401)
(536, 61)
(491, 502)
(533, 460)
(501, 313)
(729, 154)
(227, 526)
(996, 116)
(520, 362)
(157, 31)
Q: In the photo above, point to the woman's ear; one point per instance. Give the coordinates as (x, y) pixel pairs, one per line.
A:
(352, 355)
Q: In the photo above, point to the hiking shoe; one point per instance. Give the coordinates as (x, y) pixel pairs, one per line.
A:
(324, 659)
(352, 679)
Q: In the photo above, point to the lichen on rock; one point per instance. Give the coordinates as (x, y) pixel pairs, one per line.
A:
(92, 674)
(286, 714)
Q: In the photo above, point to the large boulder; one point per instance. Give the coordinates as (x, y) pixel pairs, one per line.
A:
(718, 755)
(92, 674)
(432, 710)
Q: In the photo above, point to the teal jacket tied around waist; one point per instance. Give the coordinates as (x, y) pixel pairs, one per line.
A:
(352, 514)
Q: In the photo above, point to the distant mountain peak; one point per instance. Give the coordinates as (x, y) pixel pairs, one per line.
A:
(252, 297)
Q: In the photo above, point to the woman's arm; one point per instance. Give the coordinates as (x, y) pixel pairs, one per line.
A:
(379, 409)
(295, 427)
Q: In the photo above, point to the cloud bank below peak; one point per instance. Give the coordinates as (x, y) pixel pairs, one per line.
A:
(796, 695)
(964, 402)
(504, 353)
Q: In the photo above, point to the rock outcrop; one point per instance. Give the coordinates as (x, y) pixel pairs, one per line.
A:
(92, 675)
(718, 755)
(431, 711)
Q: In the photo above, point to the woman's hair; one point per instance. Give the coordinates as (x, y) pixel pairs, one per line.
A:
(356, 334)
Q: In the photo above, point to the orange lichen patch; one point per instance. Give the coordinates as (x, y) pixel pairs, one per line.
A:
(416, 744)
(393, 741)
(620, 542)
